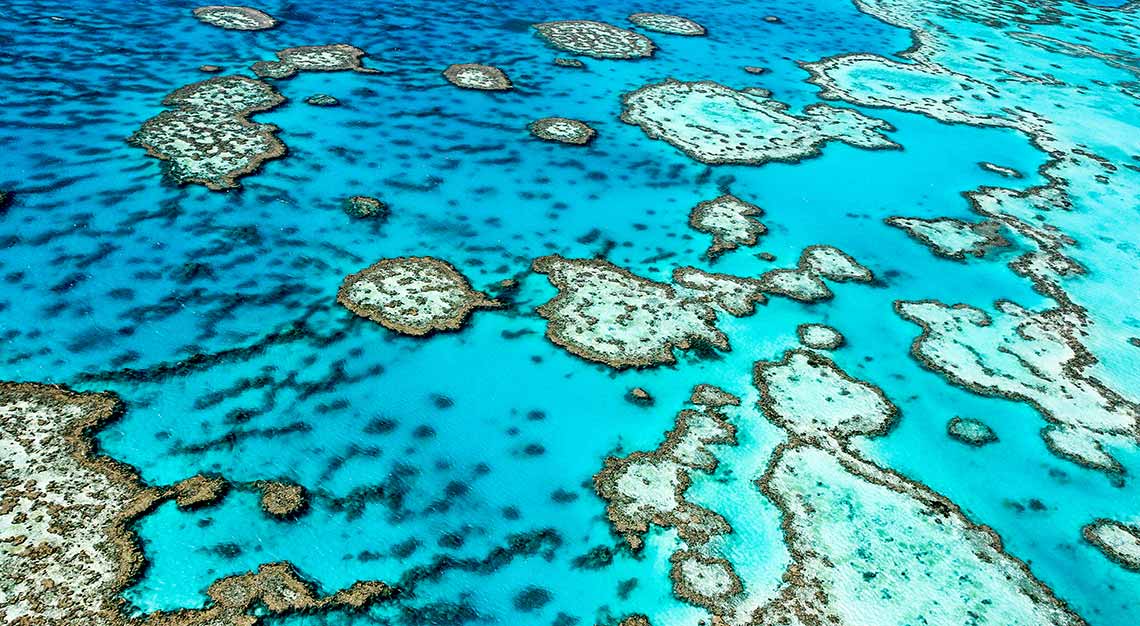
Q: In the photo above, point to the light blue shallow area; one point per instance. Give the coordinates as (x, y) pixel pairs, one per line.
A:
(458, 443)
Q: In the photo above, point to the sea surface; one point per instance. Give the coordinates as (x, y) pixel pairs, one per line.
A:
(437, 452)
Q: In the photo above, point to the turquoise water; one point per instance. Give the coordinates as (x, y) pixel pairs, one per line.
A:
(436, 452)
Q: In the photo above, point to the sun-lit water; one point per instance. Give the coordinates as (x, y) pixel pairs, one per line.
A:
(438, 450)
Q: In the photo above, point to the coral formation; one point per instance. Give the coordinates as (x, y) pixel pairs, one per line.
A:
(605, 313)
(200, 490)
(865, 540)
(337, 57)
(966, 80)
(365, 207)
(476, 76)
(595, 39)
(566, 62)
(322, 100)
(731, 221)
(645, 488)
(637, 395)
(732, 294)
(1119, 542)
(67, 524)
(282, 499)
(952, 238)
(1029, 356)
(970, 431)
(805, 281)
(670, 24)
(563, 130)
(235, 17)
(206, 136)
(706, 581)
(819, 336)
(412, 295)
(715, 124)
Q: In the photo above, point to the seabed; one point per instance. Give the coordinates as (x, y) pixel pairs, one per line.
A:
(670, 314)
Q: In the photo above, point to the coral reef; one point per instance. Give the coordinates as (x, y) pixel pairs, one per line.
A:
(282, 499)
(670, 24)
(731, 221)
(365, 207)
(200, 490)
(637, 395)
(476, 76)
(68, 513)
(206, 137)
(322, 100)
(805, 281)
(412, 295)
(1119, 542)
(645, 488)
(714, 124)
(952, 238)
(819, 336)
(706, 581)
(563, 130)
(732, 294)
(867, 541)
(966, 80)
(337, 57)
(606, 314)
(1029, 356)
(970, 431)
(235, 17)
(595, 39)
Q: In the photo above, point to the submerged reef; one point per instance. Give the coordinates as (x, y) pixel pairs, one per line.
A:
(568, 62)
(805, 282)
(235, 18)
(337, 57)
(412, 295)
(595, 39)
(970, 431)
(476, 76)
(607, 314)
(731, 221)
(865, 540)
(819, 336)
(563, 130)
(206, 136)
(670, 24)
(648, 488)
(365, 207)
(322, 100)
(712, 123)
(951, 238)
(1029, 356)
(68, 514)
(1119, 542)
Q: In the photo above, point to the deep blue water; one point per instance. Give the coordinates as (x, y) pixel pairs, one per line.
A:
(97, 246)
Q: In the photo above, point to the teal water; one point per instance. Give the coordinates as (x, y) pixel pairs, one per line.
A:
(434, 453)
